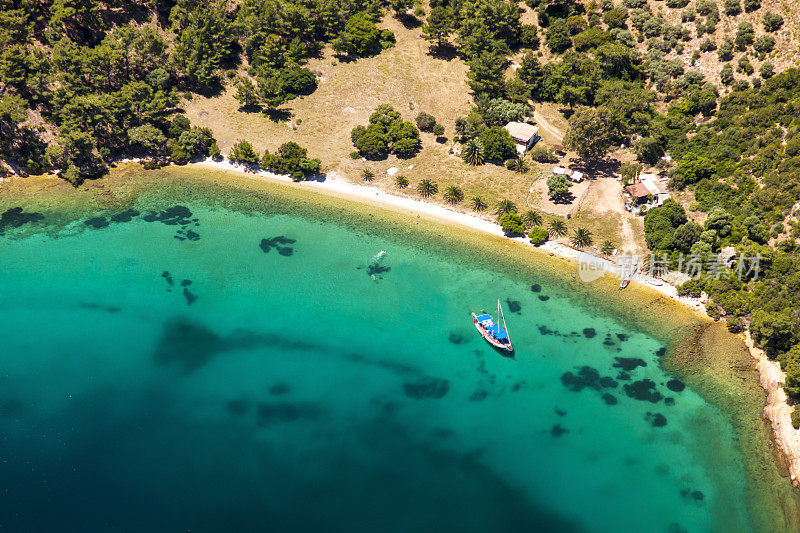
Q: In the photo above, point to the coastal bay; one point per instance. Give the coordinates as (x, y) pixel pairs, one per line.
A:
(714, 444)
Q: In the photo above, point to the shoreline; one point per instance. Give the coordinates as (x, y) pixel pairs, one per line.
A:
(335, 184)
(776, 411)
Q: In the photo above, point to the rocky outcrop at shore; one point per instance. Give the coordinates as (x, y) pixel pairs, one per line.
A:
(777, 409)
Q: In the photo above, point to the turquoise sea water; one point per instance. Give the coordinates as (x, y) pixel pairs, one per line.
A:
(254, 377)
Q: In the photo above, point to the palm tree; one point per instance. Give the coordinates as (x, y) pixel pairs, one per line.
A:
(608, 248)
(506, 206)
(427, 188)
(401, 182)
(473, 153)
(558, 228)
(517, 165)
(533, 218)
(367, 175)
(581, 238)
(478, 203)
(453, 195)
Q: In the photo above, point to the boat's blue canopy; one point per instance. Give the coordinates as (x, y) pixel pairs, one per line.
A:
(497, 332)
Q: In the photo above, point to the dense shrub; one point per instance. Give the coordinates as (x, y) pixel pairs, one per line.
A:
(242, 152)
(386, 133)
(538, 235)
(291, 159)
(511, 223)
(772, 21)
(425, 121)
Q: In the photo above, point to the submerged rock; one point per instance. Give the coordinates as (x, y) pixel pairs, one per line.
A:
(607, 382)
(190, 296)
(16, 217)
(177, 215)
(544, 297)
(96, 222)
(589, 333)
(269, 413)
(280, 389)
(622, 337)
(627, 364)
(125, 216)
(657, 420)
(427, 388)
(586, 377)
(457, 338)
(278, 243)
(644, 390)
(478, 396)
(536, 288)
(609, 399)
(676, 385)
(557, 431)
(513, 305)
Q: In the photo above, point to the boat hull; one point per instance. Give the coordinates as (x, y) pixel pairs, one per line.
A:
(506, 349)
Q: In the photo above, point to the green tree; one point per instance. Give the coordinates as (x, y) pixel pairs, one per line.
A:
(453, 195)
(203, 44)
(558, 38)
(506, 206)
(518, 165)
(776, 332)
(473, 152)
(511, 223)
(478, 203)
(246, 93)
(590, 131)
(486, 73)
(74, 154)
(608, 247)
(693, 168)
(558, 189)
(401, 182)
(367, 175)
(359, 38)
(744, 36)
(558, 228)
(732, 7)
(772, 21)
(581, 238)
(147, 138)
(616, 17)
(532, 217)
(497, 144)
(538, 235)
(242, 152)
(194, 142)
(427, 188)
(438, 26)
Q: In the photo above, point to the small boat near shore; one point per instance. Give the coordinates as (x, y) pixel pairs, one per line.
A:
(492, 332)
(624, 283)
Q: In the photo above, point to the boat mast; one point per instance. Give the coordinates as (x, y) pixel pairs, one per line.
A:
(503, 318)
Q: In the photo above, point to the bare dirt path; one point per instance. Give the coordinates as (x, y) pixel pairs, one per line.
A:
(542, 122)
(605, 201)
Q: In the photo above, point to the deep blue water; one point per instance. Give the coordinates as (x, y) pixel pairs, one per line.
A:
(250, 375)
